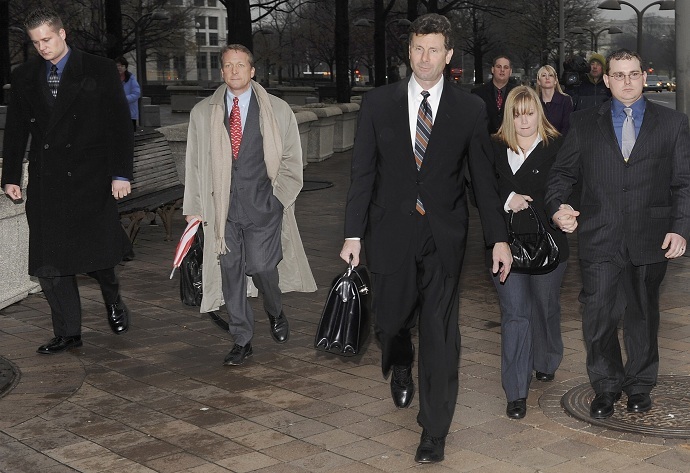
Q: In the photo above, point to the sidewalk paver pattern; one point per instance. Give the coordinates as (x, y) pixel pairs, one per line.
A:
(158, 398)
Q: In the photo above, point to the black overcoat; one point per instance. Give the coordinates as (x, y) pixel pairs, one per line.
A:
(77, 146)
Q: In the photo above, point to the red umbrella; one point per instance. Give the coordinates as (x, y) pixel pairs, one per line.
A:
(185, 243)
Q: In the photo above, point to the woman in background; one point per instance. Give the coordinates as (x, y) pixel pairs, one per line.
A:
(557, 105)
(132, 89)
(524, 149)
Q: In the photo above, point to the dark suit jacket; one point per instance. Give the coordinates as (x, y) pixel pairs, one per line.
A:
(77, 146)
(529, 180)
(385, 181)
(487, 93)
(637, 202)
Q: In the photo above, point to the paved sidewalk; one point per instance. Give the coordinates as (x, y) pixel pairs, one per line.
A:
(159, 399)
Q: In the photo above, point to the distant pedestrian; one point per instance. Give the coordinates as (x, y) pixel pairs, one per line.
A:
(494, 92)
(557, 105)
(132, 89)
(591, 91)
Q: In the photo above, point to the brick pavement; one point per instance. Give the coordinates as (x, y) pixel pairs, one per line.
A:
(158, 398)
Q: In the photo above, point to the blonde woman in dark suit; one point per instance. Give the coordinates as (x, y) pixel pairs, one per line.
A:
(524, 148)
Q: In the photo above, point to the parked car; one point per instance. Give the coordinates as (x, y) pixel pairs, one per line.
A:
(664, 82)
(652, 84)
(672, 85)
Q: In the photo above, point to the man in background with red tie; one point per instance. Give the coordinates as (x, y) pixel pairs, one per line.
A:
(73, 107)
(243, 174)
(494, 93)
(407, 206)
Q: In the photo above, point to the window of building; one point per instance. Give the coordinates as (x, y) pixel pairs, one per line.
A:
(198, 3)
(201, 39)
(201, 22)
(213, 39)
(214, 61)
(176, 3)
(212, 23)
(201, 61)
(211, 3)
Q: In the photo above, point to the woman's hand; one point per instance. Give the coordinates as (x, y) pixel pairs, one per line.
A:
(519, 202)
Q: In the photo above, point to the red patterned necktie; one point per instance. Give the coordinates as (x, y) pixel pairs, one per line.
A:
(499, 99)
(235, 127)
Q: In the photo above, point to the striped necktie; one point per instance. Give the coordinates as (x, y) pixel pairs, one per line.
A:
(422, 135)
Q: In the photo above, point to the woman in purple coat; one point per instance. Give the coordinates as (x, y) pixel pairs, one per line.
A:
(557, 105)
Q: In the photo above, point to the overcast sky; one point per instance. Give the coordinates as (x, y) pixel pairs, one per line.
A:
(626, 12)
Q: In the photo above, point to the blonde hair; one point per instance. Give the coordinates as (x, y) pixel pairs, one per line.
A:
(520, 101)
(549, 70)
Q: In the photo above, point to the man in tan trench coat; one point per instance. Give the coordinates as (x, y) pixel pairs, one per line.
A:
(243, 174)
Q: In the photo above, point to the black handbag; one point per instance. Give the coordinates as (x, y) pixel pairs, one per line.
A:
(190, 271)
(344, 324)
(533, 253)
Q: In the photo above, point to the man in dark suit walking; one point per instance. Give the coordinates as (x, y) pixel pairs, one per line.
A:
(633, 158)
(407, 203)
(73, 106)
(494, 93)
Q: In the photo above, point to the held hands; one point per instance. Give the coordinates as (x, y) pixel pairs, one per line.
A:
(566, 218)
(675, 244)
(120, 188)
(13, 191)
(351, 248)
(519, 202)
(502, 259)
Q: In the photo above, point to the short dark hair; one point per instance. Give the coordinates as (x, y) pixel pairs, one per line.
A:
(123, 61)
(432, 23)
(236, 47)
(502, 56)
(43, 16)
(621, 54)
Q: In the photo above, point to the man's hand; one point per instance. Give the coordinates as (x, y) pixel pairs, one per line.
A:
(519, 202)
(120, 188)
(566, 218)
(675, 244)
(188, 218)
(503, 260)
(351, 248)
(13, 191)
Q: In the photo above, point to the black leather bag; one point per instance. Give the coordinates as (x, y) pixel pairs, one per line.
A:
(344, 324)
(190, 271)
(533, 253)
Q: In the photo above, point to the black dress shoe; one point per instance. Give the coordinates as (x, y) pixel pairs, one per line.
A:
(517, 409)
(280, 328)
(402, 386)
(639, 402)
(118, 316)
(238, 354)
(544, 376)
(602, 405)
(430, 448)
(59, 344)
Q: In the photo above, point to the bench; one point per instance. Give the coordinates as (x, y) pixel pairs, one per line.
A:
(156, 187)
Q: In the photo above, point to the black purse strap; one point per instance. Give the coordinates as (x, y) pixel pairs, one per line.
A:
(540, 225)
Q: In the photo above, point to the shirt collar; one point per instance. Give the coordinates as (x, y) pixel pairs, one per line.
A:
(638, 107)
(415, 90)
(61, 63)
(244, 97)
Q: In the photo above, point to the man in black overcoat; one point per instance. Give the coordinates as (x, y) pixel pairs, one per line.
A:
(73, 106)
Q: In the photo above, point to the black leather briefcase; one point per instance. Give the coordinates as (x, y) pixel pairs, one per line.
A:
(344, 324)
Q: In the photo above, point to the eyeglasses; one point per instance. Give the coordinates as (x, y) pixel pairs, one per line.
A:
(632, 76)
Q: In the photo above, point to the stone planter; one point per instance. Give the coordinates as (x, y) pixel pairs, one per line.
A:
(15, 283)
(177, 139)
(320, 146)
(305, 118)
(345, 127)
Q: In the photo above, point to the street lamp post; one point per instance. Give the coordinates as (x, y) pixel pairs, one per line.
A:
(594, 35)
(616, 5)
(197, 25)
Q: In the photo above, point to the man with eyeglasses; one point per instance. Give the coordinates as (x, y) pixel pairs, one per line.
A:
(633, 158)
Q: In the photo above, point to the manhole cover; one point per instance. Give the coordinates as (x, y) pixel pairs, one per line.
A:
(669, 417)
(8, 376)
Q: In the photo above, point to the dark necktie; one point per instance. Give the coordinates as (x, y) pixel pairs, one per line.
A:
(499, 98)
(235, 127)
(53, 80)
(628, 141)
(422, 135)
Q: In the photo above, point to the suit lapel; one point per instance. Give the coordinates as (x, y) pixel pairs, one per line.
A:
(70, 85)
(400, 121)
(605, 124)
(442, 121)
(649, 124)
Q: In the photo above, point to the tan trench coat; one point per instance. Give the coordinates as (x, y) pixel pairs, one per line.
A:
(207, 186)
